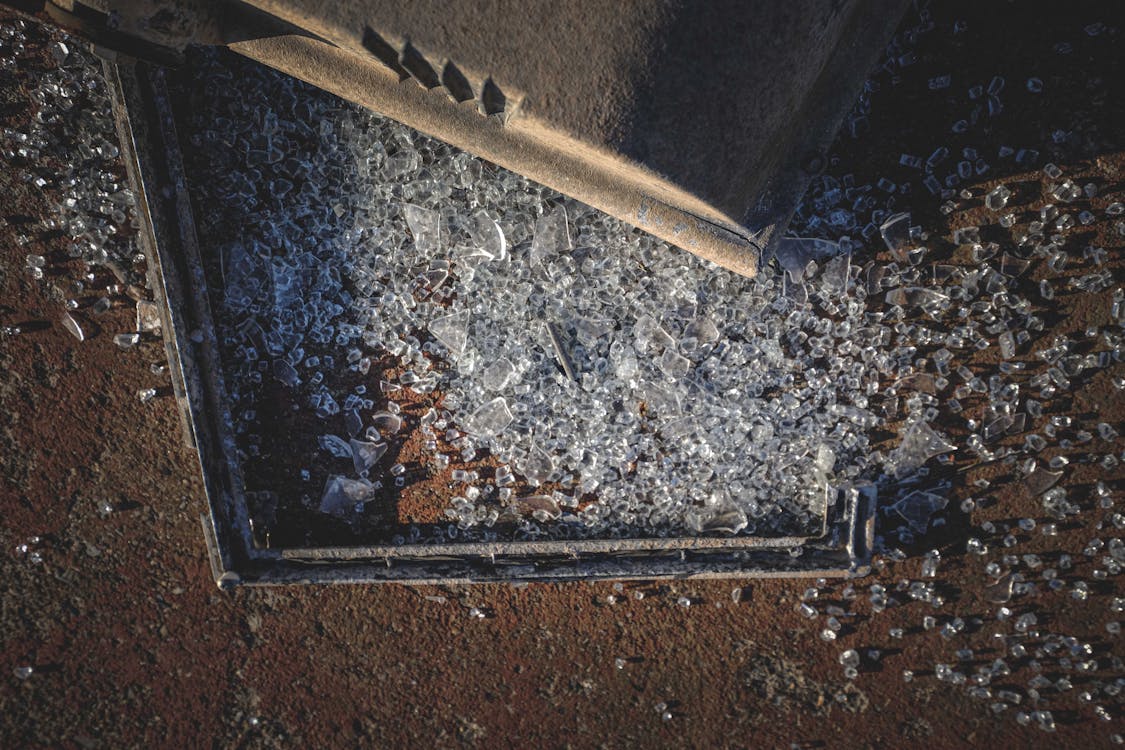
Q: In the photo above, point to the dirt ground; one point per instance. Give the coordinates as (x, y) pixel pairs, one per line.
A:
(130, 643)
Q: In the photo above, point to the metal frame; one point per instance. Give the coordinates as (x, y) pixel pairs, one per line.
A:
(151, 147)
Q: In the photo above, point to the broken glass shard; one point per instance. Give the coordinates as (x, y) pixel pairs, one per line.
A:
(1001, 591)
(452, 330)
(919, 381)
(919, 444)
(918, 508)
(551, 238)
(719, 515)
(794, 254)
(561, 354)
(835, 276)
(679, 428)
(341, 495)
(488, 236)
(1007, 344)
(896, 234)
(284, 372)
(1011, 265)
(126, 340)
(916, 296)
(1041, 480)
(353, 423)
(497, 375)
(59, 52)
(366, 454)
(71, 325)
(662, 401)
(148, 316)
(648, 333)
(335, 445)
(425, 226)
(536, 466)
(591, 329)
(702, 330)
(386, 423)
(490, 419)
(674, 365)
(997, 198)
(328, 406)
(434, 278)
(997, 427)
(541, 507)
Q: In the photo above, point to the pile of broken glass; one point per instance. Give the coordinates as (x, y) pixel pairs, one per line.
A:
(645, 391)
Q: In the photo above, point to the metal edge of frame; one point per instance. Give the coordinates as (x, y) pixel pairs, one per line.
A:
(168, 239)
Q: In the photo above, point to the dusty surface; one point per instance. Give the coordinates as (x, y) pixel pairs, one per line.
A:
(583, 82)
(131, 644)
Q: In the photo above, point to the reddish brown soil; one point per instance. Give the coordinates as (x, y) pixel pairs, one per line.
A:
(133, 646)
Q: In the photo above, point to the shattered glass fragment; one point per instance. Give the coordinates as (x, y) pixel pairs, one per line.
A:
(997, 198)
(896, 234)
(591, 329)
(1010, 265)
(59, 52)
(366, 454)
(1001, 591)
(353, 423)
(342, 495)
(1041, 480)
(648, 333)
(335, 446)
(452, 330)
(997, 427)
(536, 466)
(551, 238)
(679, 428)
(674, 365)
(916, 296)
(835, 276)
(702, 330)
(1007, 343)
(918, 508)
(919, 444)
(71, 325)
(489, 420)
(542, 507)
(148, 316)
(719, 515)
(794, 254)
(126, 340)
(498, 374)
(919, 381)
(561, 354)
(435, 277)
(285, 373)
(386, 423)
(425, 226)
(488, 236)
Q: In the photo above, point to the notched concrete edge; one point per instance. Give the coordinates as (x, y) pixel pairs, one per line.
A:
(604, 181)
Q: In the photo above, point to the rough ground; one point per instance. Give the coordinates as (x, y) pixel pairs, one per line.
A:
(132, 645)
